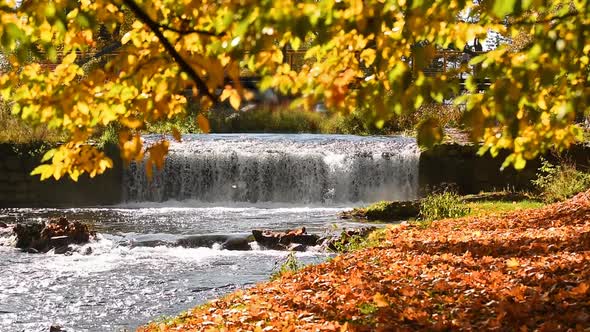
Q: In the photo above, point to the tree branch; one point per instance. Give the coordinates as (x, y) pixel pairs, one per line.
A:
(545, 20)
(184, 66)
(189, 31)
(7, 9)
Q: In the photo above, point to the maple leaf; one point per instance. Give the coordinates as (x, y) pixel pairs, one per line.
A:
(380, 300)
(512, 263)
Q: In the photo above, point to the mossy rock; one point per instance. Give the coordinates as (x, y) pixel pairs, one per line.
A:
(385, 211)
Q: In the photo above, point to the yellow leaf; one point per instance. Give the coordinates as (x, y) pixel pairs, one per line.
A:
(344, 328)
(380, 300)
(44, 170)
(226, 93)
(368, 56)
(203, 123)
(69, 59)
(235, 100)
(541, 102)
(103, 164)
(429, 132)
(126, 37)
(74, 173)
(137, 24)
(149, 169)
(131, 147)
(277, 56)
(512, 263)
(57, 170)
(131, 123)
(48, 155)
(83, 108)
(158, 153)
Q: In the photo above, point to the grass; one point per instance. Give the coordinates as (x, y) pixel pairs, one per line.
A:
(283, 119)
(560, 182)
(490, 207)
(441, 206)
(15, 130)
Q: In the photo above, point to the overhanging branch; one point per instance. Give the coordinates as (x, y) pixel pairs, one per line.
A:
(184, 66)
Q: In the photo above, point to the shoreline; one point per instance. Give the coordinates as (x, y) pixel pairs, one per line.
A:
(499, 271)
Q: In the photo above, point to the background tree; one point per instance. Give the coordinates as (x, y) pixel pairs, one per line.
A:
(366, 55)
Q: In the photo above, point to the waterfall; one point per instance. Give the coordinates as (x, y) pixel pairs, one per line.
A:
(292, 168)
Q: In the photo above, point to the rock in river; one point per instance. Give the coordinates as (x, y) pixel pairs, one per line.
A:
(283, 240)
(57, 234)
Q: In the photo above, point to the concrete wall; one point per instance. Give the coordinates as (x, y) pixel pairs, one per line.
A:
(443, 164)
(460, 165)
(19, 189)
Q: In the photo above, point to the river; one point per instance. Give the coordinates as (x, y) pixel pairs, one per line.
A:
(213, 188)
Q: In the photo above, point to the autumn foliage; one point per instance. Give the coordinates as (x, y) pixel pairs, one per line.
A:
(368, 57)
(526, 270)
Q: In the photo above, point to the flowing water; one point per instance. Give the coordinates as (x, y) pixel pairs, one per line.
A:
(213, 188)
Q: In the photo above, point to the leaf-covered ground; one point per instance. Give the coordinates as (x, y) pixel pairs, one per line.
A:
(526, 270)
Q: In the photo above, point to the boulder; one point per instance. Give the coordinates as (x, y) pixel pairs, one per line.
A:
(297, 247)
(199, 241)
(236, 243)
(385, 211)
(57, 234)
(281, 240)
(56, 328)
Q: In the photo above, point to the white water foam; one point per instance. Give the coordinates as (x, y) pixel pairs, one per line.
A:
(299, 169)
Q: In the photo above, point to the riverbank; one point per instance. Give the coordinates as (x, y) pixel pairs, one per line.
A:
(423, 209)
(524, 269)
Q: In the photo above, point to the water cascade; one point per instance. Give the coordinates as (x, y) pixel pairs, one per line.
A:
(298, 169)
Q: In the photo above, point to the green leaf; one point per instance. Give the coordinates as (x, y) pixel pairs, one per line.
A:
(503, 7)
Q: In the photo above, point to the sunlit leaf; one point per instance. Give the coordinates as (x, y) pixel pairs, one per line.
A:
(203, 123)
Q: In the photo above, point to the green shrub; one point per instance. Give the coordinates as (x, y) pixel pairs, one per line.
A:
(264, 120)
(350, 243)
(290, 264)
(109, 135)
(396, 210)
(283, 119)
(559, 182)
(443, 205)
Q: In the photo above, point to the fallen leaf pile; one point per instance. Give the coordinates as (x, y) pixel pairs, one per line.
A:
(526, 270)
